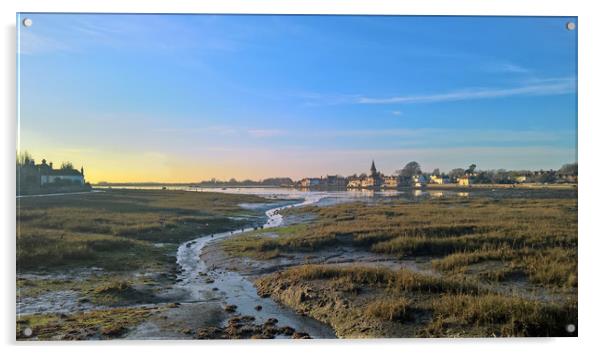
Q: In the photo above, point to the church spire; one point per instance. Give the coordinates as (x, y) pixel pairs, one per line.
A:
(373, 169)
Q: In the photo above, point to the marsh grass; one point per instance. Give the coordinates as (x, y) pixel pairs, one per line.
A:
(120, 292)
(535, 236)
(115, 230)
(390, 309)
(431, 306)
(393, 280)
(100, 324)
(505, 267)
(504, 315)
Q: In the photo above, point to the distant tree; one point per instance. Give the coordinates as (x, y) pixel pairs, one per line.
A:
(502, 177)
(232, 181)
(484, 177)
(436, 172)
(471, 169)
(363, 175)
(546, 177)
(410, 169)
(456, 173)
(568, 169)
(24, 158)
(66, 166)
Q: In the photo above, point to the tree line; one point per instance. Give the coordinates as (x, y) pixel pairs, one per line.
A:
(498, 176)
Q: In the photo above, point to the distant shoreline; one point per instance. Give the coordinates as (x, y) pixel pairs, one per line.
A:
(190, 185)
(427, 187)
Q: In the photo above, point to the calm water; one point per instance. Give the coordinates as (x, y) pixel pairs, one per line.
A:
(337, 196)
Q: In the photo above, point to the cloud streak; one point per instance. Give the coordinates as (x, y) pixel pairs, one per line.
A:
(266, 133)
(542, 88)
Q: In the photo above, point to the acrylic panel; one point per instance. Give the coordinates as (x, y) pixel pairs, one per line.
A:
(206, 176)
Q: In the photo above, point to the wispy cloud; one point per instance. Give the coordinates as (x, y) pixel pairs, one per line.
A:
(396, 113)
(545, 88)
(32, 43)
(266, 133)
(507, 68)
(465, 137)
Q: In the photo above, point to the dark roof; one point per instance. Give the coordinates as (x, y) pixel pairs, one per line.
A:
(65, 172)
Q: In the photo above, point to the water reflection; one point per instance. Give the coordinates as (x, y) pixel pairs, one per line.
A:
(281, 192)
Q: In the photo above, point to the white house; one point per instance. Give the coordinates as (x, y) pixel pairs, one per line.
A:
(57, 178)
(418, 181)
(310, 182)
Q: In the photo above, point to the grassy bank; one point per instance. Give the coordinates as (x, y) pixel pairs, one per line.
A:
(377, 302)
(118, 229)
(494, 267)
(491, 239)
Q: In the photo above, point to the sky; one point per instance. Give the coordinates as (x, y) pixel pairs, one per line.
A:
(184, 98)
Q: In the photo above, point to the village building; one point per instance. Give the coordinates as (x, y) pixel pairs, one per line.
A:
(370, 182)
(392, 182)
(310, 182)
(418, 181)
(434, 179)
(523, 179)
(49, 175)
(375, 180)
(355, 182)
(464, 181)
(335, 181)
(43, 177)
(566, 178)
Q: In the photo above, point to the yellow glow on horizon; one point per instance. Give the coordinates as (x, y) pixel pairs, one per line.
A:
(149, 167)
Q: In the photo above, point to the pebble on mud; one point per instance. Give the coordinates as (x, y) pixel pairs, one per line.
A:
(271, 321)
(243, 327)
(300, 335)
(230, 308)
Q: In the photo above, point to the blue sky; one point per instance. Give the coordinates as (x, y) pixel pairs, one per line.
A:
(189, 97)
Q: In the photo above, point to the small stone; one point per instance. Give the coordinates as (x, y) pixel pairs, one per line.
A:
(287, 330)
(230, 308)
(300, 335)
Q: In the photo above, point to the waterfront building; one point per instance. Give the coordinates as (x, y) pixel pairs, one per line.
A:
(310, 182)
(464, 181)
(49, 175)
(335, 181)
(355, 182)
(392, 182)
(434, 179)
(418, 181)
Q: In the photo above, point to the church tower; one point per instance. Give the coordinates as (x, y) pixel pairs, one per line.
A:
(373, 171)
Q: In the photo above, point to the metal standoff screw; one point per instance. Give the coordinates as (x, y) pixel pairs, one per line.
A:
(570, 26)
